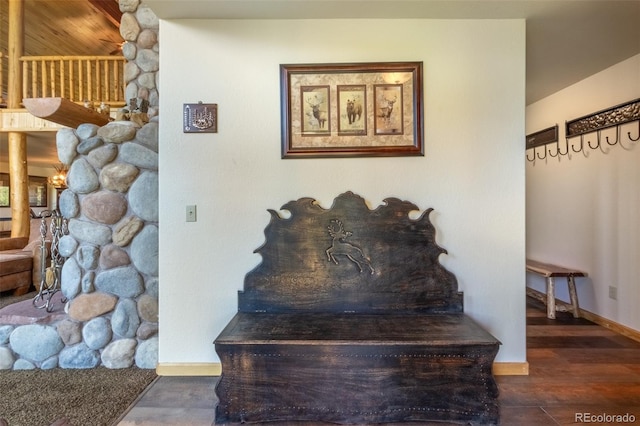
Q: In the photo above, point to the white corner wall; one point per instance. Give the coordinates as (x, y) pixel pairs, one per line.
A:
(472, 173)
(582, 211)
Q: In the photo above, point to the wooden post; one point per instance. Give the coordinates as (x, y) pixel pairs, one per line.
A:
(18, 172)
(551, 298)
(573, 296)
(16, 49)
(20, 219)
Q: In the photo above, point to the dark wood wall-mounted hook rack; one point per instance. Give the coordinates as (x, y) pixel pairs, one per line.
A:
(608, 120)
(599, 130)
(537, 142)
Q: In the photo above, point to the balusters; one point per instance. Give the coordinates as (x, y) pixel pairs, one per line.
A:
(74, 78)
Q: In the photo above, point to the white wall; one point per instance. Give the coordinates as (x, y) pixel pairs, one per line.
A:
(472, 173)
(582, 212)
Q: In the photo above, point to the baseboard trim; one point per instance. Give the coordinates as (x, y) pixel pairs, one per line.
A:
(189, 369)
(611, 325)
(215, 369)
(601, 321)
(511, 368)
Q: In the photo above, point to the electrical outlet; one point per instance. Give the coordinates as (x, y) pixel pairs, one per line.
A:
(613, 292)
(191, 214)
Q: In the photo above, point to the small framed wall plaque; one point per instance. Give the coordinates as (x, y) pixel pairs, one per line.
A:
(200, 118)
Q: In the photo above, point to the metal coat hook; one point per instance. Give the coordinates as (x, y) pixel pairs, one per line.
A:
(581, 149)
(566, 150)
(538, 155)
(618, 131)
(574, 147)
(600, 145)
(634, 139)
(557, 151)
(597, 144)
(631, 139)
(532, 159)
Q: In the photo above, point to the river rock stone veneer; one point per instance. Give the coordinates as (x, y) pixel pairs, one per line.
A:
(110, 275)
(111, 272)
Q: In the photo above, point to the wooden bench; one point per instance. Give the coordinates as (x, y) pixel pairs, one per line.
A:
(550, 273)
(350, 318)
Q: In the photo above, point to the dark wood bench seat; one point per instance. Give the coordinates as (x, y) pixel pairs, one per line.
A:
(259, 328)
(373, 339)
(356, 368)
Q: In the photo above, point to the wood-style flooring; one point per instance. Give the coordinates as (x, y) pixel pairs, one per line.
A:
(579, 372)
(576, 368)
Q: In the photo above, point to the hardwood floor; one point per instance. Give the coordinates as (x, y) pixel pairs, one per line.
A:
(576, 368)
(578, 371)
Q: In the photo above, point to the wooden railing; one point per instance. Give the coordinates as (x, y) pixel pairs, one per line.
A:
(77, 78)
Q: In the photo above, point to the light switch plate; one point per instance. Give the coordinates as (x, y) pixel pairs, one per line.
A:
(191, 214)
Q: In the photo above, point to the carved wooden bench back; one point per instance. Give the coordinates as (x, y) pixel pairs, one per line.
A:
(349, 258)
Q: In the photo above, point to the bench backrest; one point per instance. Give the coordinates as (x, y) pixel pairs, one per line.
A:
(349, 258)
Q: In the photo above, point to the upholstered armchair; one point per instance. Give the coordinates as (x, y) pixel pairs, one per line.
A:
(21, 260)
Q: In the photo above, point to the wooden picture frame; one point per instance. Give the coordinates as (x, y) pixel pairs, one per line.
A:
(37, 187)
(351, 110)
(5, 196)
(38, 193)
(314, 107)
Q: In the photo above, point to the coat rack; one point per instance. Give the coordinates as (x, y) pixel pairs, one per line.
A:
(599, 130)
(540, 140)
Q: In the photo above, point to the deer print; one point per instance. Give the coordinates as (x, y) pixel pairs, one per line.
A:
(387, 108)
(341, 247)
(318, 114)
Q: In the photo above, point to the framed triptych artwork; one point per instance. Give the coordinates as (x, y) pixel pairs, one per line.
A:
(342, 110)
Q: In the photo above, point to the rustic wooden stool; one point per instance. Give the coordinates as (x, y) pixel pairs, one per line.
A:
(550, 272)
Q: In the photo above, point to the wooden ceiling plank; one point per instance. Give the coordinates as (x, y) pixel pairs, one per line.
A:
(111, 10)
(67, 27)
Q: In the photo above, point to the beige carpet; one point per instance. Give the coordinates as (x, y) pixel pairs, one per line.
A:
(92, 397)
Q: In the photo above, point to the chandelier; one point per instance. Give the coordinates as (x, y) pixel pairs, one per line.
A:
(59, 180)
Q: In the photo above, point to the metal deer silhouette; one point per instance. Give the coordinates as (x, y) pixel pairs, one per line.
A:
(340, 247)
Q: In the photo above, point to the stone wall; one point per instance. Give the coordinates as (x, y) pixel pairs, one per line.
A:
(110, 275)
